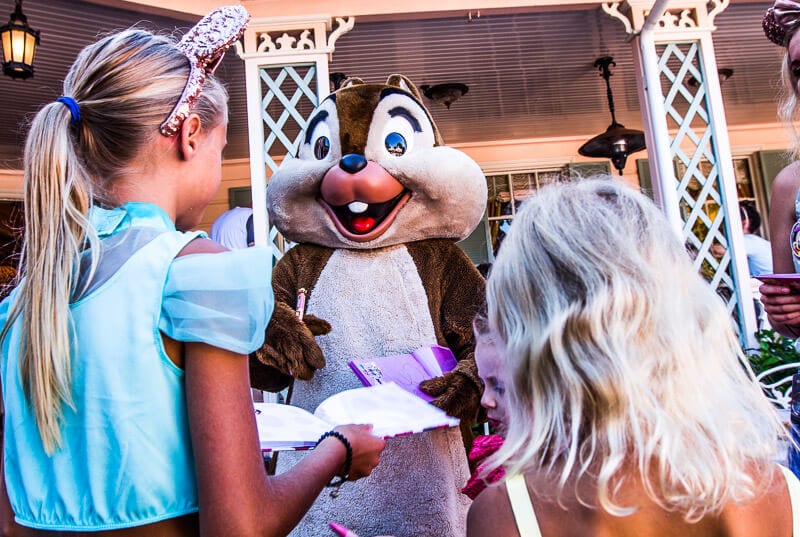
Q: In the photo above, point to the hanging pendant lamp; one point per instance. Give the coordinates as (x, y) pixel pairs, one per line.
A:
(446, 93)
(617, 142)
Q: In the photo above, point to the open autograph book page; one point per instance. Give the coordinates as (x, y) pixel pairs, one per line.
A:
(391, 411)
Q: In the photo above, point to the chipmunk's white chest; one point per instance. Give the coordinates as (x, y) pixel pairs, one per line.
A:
(377, 306)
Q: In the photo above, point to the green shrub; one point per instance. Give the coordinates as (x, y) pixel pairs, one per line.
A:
(773, 350)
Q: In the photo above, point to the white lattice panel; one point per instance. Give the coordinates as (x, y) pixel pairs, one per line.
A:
(286, 71)
(289, 96)
(698, 174)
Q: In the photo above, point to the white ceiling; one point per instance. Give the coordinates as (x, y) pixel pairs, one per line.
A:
(530, 75)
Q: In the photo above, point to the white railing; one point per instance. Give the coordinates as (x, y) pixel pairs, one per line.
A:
(778, 391)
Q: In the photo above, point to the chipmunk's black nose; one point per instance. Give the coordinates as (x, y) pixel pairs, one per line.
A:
(353, 163)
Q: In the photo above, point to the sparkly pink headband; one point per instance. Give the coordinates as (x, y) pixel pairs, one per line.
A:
(204, 46)
(781, 20)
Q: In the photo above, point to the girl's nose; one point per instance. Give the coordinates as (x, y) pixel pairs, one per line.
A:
(487, 401)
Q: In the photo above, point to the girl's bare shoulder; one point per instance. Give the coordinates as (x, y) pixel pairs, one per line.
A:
(490, 514)
(787, 181)
(202, 246)
(746, 519)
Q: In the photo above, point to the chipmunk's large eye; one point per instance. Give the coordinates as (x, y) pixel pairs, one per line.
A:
(398, 136)
(322, 147)
(320, 137)
(395, 144)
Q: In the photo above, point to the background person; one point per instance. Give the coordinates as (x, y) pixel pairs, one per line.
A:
(782, 301)
(486, 445)
(233, 229)
(759, 255)
(627, 405)
(137, 420)
(758, 249)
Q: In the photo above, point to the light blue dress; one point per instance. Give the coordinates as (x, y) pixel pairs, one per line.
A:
(125, 458)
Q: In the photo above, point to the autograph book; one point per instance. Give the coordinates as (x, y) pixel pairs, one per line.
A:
(406, 370)
(391, 410)
(792, 277)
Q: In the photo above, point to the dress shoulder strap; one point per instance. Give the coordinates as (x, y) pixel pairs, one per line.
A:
(521, 505)
(794, 497)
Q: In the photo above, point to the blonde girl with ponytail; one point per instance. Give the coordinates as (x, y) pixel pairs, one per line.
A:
(123, 350)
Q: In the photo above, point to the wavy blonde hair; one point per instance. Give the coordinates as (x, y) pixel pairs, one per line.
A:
(125, 84)
(622, 362)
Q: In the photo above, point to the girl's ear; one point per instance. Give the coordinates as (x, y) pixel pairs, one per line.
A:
(190, 137)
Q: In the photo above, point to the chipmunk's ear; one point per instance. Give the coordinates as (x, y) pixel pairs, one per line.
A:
(351, 81)
(400, 81)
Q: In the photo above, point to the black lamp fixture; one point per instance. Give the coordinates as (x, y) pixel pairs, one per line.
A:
(617, 142)
(446, 93)
(19, 44)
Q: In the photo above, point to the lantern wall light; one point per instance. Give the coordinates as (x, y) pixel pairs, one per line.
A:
(19, 44)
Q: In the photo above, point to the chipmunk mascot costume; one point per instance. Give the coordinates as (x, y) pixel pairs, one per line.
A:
(375, 203)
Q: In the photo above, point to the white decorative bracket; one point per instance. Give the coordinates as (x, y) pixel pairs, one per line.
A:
(291, 36)
(679, 15)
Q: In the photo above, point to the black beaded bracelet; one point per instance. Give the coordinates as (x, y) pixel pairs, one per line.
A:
(348, 458)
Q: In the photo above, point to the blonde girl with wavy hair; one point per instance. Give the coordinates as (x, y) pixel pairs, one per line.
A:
(123, 352)
(629, 408)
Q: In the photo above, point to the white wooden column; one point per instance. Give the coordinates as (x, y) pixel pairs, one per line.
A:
(687, 140)
(286, 74)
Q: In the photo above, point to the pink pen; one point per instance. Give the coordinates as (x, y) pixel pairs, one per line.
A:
(340, 530)
(301, 304)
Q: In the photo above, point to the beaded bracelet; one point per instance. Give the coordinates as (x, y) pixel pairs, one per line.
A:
(348, 458)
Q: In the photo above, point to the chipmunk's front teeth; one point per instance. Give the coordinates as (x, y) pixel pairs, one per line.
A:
(357, 207)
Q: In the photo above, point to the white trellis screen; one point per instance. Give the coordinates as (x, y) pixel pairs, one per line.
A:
(703, 200)
(687, 140)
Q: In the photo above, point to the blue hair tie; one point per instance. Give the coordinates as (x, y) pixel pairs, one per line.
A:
(74, 109)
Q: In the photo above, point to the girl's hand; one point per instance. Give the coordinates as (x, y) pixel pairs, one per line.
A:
(366, 449)
(782, 304)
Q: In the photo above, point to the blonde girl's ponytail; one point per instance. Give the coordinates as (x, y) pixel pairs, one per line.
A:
(58, 194)
(116, 95)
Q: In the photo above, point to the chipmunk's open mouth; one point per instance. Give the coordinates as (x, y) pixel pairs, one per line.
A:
(362, 222)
